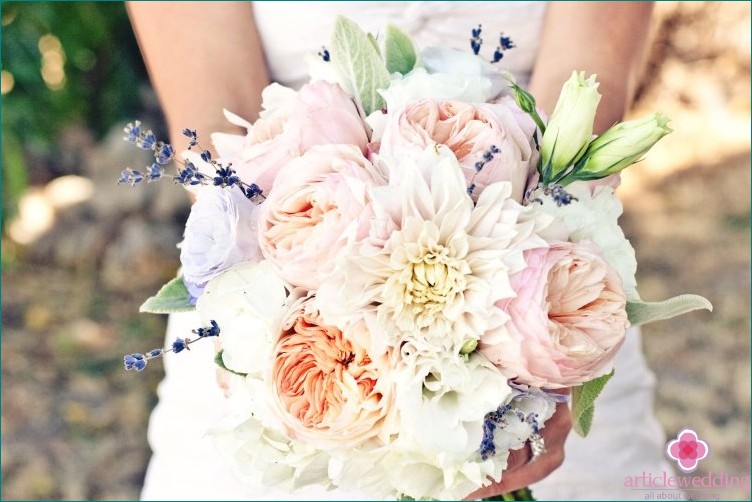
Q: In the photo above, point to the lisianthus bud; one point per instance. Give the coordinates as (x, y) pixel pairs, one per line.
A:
(524, 99)
(621, 146)
(526, 102)
(570, 128)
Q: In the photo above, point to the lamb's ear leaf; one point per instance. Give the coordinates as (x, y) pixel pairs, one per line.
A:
(583, 403)
(359, 62)
(173, 297)
(640, 312)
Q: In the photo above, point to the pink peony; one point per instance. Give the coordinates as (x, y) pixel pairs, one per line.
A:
(468, 130)
(317, 207)
(327, 388)
(321, 113)
(567, 321)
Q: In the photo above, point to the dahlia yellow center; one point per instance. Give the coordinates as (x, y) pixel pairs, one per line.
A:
(428, 285)
(435, 277)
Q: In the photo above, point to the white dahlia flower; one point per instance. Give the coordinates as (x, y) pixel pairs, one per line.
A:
(433, 264)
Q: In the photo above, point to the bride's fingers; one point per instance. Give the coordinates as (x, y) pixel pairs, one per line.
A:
(522, 477)
(520, 471)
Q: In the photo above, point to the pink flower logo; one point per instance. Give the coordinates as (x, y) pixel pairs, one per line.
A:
(687, 449)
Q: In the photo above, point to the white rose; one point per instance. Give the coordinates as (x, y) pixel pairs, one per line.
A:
(446, 74)
(451, 61)
(247, 301)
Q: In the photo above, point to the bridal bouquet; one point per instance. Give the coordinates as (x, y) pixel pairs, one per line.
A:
(404, 262)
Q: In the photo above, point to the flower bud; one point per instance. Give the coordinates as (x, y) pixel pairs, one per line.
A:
(468, 347)
(570, 128)
(524, 99)
(622, 145)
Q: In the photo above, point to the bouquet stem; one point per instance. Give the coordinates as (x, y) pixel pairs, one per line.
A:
(521, 494)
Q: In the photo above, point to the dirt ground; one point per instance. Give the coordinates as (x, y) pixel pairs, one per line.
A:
(74, 423)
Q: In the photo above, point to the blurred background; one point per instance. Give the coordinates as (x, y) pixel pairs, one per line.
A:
(80, 254)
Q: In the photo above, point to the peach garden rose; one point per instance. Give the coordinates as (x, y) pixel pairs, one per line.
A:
(329, 391)
(469, 130)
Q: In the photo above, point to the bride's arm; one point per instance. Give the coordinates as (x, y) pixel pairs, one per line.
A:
(202, 57)
(605, 38)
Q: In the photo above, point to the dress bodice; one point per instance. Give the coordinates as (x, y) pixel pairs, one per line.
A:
(289, 30)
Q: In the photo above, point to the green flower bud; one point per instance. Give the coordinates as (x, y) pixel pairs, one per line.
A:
(621, 146)
(526, 102)
(524, 99)
(570, 127)
(468, 347)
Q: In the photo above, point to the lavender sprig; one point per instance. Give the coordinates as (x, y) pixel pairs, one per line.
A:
(490, 422)
(187, 173)
(487, 157)
(505, 44)
(557, 192)
(500, 418)
(138, 361)
(475, 40)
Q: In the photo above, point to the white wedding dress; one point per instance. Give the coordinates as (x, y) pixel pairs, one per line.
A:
(625, 439)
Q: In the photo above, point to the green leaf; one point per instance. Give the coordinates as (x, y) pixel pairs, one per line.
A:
(374, 42)
(399, 51)
(583, 403)
(640, 312)
(171, 298)
(359, 62)
(221, 363)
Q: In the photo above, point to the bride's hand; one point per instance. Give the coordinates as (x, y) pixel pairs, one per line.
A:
(521, 471)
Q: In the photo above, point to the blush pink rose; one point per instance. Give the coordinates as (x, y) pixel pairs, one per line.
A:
(321, 113)
(567, 321)
(328, 391)
(324, 114)
(468, 130)
(317, 207)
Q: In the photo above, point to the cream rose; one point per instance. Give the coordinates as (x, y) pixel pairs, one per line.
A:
(317, 207)
(469, 130)
(567, 321)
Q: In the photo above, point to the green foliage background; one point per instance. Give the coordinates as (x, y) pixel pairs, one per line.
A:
(103, 77)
